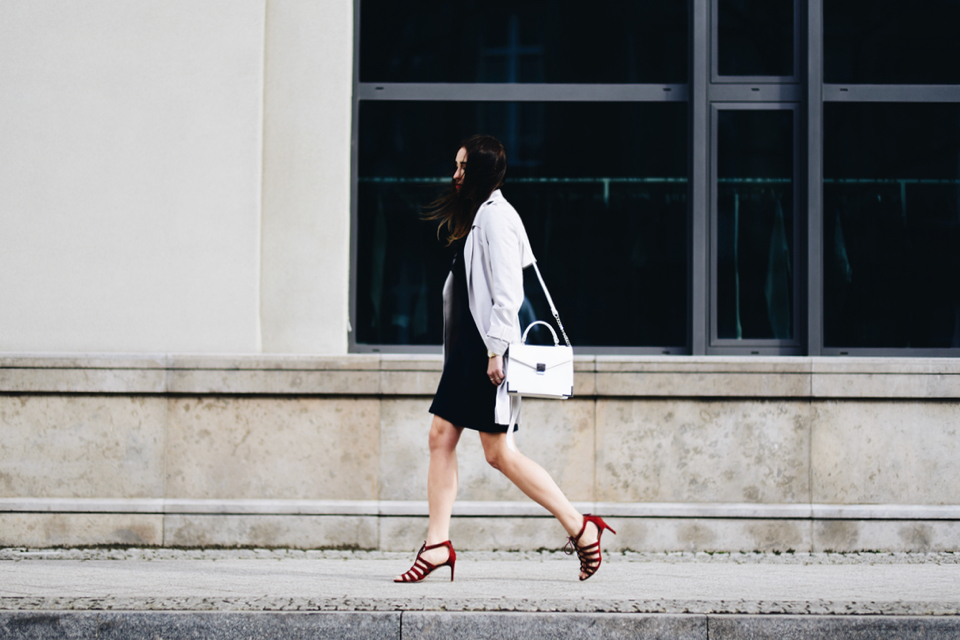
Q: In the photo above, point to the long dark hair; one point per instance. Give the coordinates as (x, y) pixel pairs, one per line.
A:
(486, 168)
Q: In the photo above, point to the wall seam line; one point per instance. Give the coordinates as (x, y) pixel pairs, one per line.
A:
(166, 457)
(263, 175)
(595, 493)
(810, 426)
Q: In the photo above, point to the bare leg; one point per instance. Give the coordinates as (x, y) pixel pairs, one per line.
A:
(536, 483)
(441, 485)
(443, 478)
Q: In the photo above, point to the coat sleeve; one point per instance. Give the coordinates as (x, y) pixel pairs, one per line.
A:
(506, 280)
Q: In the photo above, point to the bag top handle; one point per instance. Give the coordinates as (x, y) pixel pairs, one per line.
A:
(553, 333)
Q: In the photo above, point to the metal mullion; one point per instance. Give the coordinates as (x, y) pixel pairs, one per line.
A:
(891, 352)
(798, 30)
(799, 259)
(814, 178)
(583, 350)
(755, 92)
(700, 186)
(714, 41)
(713, 226)
(513, 92)
(755, 342)
(354, 184)
(890, 92)
(595, 350)
(722, 80)
(758, 350)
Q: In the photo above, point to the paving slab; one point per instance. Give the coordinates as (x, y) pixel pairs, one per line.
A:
(206, 625)
(250, 580)
(832, 628)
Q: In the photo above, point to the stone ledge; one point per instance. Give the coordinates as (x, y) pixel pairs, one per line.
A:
(417, 375)
(480, 534)
(468, 508)
(215, 362)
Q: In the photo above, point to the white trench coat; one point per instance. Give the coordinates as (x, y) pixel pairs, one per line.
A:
(496, 252)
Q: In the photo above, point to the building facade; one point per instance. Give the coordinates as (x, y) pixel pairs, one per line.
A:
(221, 309)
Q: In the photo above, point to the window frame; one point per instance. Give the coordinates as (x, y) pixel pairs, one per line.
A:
(487, 92)
(715, 76)
(716, 92)
(818, 94)
(754, 346)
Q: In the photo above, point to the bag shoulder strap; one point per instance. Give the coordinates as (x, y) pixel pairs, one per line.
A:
(556, 315)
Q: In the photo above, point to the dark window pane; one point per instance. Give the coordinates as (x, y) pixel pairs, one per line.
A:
(755, 224)
(601, 189)
(891, 41)
(755, 38)
(891, 225)
(559, 41)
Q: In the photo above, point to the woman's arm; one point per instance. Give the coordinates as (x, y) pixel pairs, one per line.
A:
(506, 279)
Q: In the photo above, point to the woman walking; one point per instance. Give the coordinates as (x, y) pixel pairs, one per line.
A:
(481, 300)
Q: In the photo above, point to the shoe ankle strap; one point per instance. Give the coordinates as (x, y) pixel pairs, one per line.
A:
(445, 543)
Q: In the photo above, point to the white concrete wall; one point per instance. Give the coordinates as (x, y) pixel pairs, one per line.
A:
(306, 176)
(130, 175)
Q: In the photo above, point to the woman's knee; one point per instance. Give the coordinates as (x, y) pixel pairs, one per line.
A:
(443, 435)
(495, 450)
(494, 459)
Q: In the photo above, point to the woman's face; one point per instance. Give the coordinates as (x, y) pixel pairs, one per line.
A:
(461, 167)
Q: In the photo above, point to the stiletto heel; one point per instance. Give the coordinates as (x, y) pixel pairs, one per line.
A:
(421, 568)
(590, 557)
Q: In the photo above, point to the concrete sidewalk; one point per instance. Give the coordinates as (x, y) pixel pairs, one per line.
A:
(666, 595)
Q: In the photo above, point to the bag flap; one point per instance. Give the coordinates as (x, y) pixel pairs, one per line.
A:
(532, 355)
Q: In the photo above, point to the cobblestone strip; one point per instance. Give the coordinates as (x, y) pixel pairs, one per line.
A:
(147, 554)
(612, 605)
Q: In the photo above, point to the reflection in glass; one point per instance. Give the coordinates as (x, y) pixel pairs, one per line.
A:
(891, 42)
(755, 38)
(891, 225)
(755, 224)
(557, 41)
(602, 191)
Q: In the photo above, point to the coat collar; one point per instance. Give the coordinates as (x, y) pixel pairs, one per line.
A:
(496, 196)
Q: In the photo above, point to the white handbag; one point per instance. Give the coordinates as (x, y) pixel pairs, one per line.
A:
(541, 371)
(538, 371)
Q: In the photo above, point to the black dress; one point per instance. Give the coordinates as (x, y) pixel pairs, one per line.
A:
(465, 396)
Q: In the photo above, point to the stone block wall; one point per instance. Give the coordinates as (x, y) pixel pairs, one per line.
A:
(682, 453)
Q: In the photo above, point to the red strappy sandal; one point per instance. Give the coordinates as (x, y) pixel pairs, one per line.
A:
(421, 568)
(589, 555)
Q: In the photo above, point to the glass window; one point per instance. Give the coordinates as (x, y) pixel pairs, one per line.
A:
(557, 41)
(755, 37)
(602, 191)
(891, 42)
(891, 225)
(755, 224)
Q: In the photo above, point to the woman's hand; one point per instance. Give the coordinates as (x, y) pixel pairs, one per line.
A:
(495, 370)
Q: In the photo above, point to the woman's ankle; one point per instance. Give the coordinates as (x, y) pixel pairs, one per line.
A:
(574, 524)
